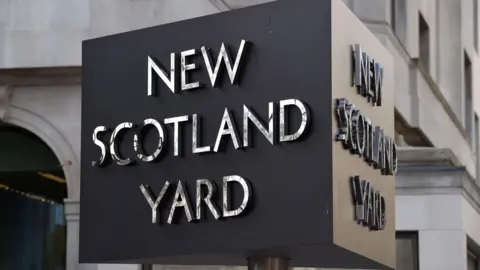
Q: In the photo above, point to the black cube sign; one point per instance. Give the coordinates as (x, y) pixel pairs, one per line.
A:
(210, 140)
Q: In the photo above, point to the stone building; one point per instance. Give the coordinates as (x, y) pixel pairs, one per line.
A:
(435, 47)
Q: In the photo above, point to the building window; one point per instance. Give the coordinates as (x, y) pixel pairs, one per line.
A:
(477, 147)
(467, 82)
(475, 24)
(407, 250)
(398, 20)
(424, 40)
(393, 17)
(472, 262)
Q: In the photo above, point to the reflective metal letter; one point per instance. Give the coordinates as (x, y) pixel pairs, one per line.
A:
(99, 143)
(185, 68)
(351, 118)
(162, 74)
(376, 211)
(223, 55)
(383, 216)
(211, 189)
(226, 201)
(249, 115)
(368, 207)
(370, 91)
(359, 128)
(184, 202)
(284, 125)
(378, 153)
(150, 199)
(196, 137)
(361, 70)
(176, 131)
(365, 190)
(369, 141)
(342, 120)
(230, 130)
(113, 147)
(394, 158)
(367, 76)
(387, 149)
(380, 217)
(137, 145)
(357, 195)
(378, 73)
(374, 220)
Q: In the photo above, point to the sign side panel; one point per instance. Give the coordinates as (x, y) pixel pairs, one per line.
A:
(378, 245)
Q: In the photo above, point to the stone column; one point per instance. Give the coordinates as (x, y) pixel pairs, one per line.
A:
(450, 51)
(72, 216)
(5, 94)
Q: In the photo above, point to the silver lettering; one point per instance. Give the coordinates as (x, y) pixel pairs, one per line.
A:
(249, 116)
(211, 189)
(182, 200)
(176, 131)
(137, 145)
(225, 57)
(186, 67)
(170, 82)
(154, 203)
(113, 144)
(99, 143)
(284, 124)
(196, 137)
(226, 200)
(229, 130)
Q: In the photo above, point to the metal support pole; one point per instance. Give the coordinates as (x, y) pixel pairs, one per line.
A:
(268, 263)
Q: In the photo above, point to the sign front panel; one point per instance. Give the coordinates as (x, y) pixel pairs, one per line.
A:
(207, 140)
(364, 152)
(208, 136)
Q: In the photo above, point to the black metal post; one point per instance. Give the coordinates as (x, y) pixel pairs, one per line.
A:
(268, 263)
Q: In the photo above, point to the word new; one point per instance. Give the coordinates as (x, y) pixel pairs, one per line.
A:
(181, 199)
(185, 66)
(367, 76)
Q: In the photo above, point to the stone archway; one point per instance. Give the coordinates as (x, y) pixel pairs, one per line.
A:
(53, 138)
(62, 149)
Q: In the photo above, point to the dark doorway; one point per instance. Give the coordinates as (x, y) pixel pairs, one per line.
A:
(32, 189)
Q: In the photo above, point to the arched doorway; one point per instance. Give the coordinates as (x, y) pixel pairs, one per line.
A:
(32, 190)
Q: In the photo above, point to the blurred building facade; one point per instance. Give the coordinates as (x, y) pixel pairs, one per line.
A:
(435, 47)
